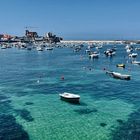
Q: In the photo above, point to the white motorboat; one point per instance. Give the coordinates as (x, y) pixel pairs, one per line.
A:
(39, 48)
(49, 48)
(119, 75)
(138, 48)
(87, 50)
(3, 46)
(90, 46)
(129, 50)
(127, 46)
(133, 55)
(94, 55)
(69, 97)
(136, 62)
(99, 47)
(110, 52)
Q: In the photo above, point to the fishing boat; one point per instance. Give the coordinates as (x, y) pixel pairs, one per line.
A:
(69, 97)
(120, 65)
(119, 75)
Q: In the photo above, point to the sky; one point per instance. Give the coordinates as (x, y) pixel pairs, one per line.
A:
(72, 19)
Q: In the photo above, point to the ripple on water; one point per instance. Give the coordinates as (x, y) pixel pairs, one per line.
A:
(10, 129)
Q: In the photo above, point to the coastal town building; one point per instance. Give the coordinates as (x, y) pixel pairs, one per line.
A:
(31, 36)
(5, 37)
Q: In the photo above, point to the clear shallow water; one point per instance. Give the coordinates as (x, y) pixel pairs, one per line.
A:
(109, 108)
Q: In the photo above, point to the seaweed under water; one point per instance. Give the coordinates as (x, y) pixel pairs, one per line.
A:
(129, 130)
(24, 114)
(103, 124)
(119, 121)
(9, 128)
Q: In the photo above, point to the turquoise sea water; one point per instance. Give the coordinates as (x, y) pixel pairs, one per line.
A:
(30, 107)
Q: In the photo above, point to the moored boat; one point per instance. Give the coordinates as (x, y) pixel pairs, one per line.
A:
(99, 47)
(120, 65)
(137, 48)
(49, 48)
(119, 75)
(129, 50)
(87, 50)
(110, 52)
(39, 48)
(127, 46)
(133, 55)
(69, 97)
(3, 47)
(94, 55)
(136, 62)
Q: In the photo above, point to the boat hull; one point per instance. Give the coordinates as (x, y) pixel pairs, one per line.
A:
(121, 77)
(136, 62)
